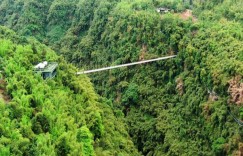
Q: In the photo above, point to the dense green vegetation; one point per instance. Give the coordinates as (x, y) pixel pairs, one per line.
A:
(58, 116)
(182, 106)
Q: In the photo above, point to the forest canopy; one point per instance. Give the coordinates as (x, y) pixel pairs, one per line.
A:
(188, 105)
(58, 116)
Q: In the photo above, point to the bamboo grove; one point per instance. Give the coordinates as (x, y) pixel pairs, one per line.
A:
(189, 105)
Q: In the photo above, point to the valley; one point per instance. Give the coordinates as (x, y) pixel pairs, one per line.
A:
(190, 104)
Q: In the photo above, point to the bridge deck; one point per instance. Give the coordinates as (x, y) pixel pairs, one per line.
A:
(124, 65)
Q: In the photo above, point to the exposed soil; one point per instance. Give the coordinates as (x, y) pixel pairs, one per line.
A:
(236, 90)
(212, 96)
(240, 149)
(187, 15)
(3, 94)
(180, 86)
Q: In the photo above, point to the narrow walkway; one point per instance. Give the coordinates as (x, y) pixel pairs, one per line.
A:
(125, 65)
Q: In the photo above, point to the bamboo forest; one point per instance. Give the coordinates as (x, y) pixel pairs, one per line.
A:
(67, 87)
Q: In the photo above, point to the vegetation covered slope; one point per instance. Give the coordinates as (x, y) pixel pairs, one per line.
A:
(168, 105)
(183, 106)
(60, 116)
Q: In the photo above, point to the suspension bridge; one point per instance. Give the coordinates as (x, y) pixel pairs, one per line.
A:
(125, 65)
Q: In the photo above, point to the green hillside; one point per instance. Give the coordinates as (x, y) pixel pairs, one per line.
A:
(60, 116)
(188, 105)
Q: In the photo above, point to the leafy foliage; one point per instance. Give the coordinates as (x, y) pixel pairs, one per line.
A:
(60, 116)
(161, 119)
